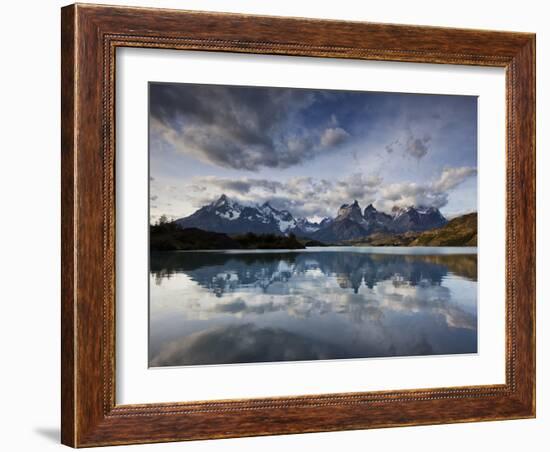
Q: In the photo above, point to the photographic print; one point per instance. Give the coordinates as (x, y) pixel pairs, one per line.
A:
(294, 224)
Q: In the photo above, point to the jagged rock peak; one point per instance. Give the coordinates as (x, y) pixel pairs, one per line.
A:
(355, 203)
(352, 211)
(223, 199)
(396, 210)
(370, 208)
(424, 209)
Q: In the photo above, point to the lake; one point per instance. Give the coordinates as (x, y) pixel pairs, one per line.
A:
(249, 306)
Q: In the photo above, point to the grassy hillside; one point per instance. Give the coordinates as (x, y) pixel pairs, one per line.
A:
(386, 239)
(461, 231)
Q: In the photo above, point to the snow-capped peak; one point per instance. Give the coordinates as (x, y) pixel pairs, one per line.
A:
(226, 208)
(310, 226)
(398, 211)
(284, 219)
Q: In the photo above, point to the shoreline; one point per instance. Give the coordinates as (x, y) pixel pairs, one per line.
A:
(405, 250)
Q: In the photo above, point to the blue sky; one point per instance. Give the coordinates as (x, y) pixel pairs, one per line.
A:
(309, 151)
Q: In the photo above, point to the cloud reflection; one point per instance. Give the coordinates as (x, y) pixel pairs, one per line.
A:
(314, 305)
(243, 344)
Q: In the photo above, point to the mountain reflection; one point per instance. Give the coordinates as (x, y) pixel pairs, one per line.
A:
(221, 308)
(224, 272)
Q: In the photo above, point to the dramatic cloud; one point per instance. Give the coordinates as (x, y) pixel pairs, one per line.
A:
(316, 198)
(303, 196)
(309, 151)
(242, 127)
(451, 177)
(410, 194)
(434, 194)
(236, 186)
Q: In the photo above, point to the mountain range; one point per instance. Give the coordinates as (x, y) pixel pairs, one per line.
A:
(351, 222)
(460, 231)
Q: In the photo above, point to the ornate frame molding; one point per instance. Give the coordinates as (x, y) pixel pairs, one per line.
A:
(90, 37)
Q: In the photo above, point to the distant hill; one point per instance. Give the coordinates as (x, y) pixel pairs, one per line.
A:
(461, 231)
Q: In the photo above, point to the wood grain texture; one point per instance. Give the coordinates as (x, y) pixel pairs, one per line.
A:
(67, 226)
(90, 36)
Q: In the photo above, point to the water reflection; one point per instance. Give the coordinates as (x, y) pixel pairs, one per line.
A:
(217, 308)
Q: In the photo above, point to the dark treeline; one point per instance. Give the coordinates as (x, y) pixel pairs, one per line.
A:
(167, 236)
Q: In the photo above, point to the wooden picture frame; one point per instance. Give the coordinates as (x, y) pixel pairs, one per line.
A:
(90, 36)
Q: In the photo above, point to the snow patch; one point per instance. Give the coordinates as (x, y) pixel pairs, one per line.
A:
(230, 214)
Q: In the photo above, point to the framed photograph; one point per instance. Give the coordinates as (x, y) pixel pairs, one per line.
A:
(281, 225)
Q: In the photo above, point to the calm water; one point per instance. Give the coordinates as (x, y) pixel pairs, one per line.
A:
(320, 303)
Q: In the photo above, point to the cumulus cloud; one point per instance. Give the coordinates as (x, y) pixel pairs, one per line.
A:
(315, 198)
(256, 141)
(451, 177)
(303, 196)
(241, 186)
(333, 136)
(434, 194)
(410, 194)
(245, 128)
